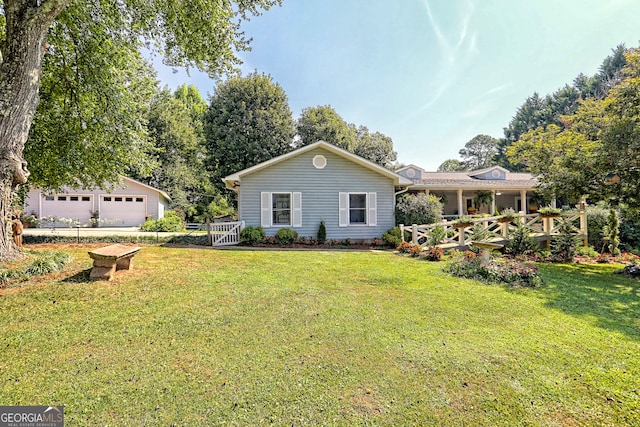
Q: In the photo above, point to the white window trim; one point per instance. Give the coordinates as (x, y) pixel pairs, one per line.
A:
(266, 209)
(371, 209)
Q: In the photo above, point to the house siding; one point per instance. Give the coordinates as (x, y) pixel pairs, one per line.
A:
(320, 190)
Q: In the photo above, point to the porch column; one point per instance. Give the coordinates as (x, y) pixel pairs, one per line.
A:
(523, 200)
(460, 211)
(493, 203)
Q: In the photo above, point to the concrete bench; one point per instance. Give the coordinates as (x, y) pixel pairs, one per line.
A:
(108, 259)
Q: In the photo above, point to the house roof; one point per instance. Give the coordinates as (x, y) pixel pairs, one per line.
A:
(442, 180)
(232, 181)
(162, 193)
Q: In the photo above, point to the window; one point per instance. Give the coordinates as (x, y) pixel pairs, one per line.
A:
(49, 198)
(117, 199)
(129, 199)
(281, 208)
(107, 199)
(62, 198)
(74, 198)
(357, 208)
(86, 199)
(139, 199)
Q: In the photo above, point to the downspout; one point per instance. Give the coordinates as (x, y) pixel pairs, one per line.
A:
(401, 191)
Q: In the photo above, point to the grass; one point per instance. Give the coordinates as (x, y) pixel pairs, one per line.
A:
(205, 337)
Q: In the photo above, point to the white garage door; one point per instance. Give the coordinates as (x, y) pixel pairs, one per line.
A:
(122, 210)
(70, 206)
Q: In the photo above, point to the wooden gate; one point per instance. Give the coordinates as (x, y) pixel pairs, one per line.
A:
(225, 233)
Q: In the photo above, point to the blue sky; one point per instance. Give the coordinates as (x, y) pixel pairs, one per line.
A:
(431, 74)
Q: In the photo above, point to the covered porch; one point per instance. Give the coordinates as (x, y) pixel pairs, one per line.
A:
(463, 201)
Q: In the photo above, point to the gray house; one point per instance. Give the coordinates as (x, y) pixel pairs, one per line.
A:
(319, 182)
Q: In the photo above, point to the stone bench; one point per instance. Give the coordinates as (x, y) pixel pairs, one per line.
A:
(108, 259)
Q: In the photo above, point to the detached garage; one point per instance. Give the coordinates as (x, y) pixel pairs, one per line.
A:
(127, 205)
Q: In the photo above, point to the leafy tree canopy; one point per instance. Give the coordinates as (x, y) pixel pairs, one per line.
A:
(323, 123)
(247, 122)
(479, 152)
(452, 165)
(602, 137)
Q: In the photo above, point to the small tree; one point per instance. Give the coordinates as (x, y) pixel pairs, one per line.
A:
(322, 233)
(563, 246)
(418, 209)
(612, 232)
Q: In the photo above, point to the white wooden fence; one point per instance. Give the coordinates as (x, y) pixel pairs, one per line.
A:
(497, 230)
(225, 233)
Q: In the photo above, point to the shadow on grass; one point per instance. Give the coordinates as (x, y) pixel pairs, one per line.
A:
(79, 277)
(594, 291)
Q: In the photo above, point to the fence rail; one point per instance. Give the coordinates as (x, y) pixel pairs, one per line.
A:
(497, 229)
(225, 233)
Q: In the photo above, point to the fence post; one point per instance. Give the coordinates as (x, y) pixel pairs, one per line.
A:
(402, 232)
(583, 225)
(209, 239)
(414, 233)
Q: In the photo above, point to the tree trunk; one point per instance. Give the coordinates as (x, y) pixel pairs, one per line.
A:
(27, 23)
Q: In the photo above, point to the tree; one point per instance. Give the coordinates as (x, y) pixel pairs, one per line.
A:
(176, 133)
(620, 149)
(248, 122)
(203, 34)
(452, 165)
(479, 152)
(375, 147)
(323, 123)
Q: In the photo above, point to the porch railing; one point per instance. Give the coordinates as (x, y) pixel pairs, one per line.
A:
(497, 229)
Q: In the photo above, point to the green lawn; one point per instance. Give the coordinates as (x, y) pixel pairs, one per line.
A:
(204, 337)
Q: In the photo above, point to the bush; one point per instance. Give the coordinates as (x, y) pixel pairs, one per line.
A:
(587, 251)
(520, 242)
(393, 237)
(629, 234)
(418, 209)
(251, 235)
(497, 270)
(322, 233)
(433, 253)
(563, 246)
(286, 236)
(596, 223)
(170, 223)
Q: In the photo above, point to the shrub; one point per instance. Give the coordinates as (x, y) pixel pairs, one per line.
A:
(393, 237)
(286, 236)
(520, 242)
(563, 246)
(170, 223)
(498, 270)
(412, 249)
(418, 209)
(630, 234)
(433, 253)
(322, 233)
(596, 222)
(436, 236)
(587, 251)
(612, 231)
(251, 235)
